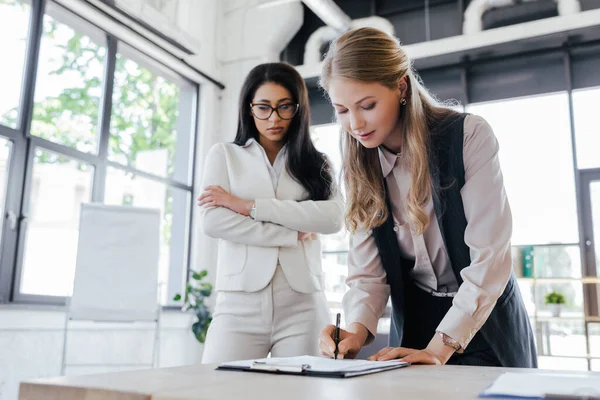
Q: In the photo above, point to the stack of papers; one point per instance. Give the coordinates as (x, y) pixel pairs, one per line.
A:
(314, 366)
(541, 385)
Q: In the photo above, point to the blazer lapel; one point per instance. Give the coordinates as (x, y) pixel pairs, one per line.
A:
(261, 177)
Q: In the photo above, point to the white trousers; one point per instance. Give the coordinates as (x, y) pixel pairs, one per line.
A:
(276, 319)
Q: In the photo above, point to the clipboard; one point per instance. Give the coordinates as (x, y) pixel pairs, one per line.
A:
(313, 366)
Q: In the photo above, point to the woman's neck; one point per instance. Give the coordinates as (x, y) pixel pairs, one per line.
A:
(395, 139)
(271, 148)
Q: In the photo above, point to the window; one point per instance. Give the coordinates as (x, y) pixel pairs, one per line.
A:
(536, 160)
(152, 118)
(595, 201)
(335, 247)
(69, 86)
(123, 139)
(151, 132)
(594, 331)
(14, 23)
(587, 132)
(51, 237)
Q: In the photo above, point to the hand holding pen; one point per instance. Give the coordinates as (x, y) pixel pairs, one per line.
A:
(348, 343)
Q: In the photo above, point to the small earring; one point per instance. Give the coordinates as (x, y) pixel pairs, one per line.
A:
(403, 101)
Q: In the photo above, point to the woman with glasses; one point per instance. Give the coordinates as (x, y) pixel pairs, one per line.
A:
(268, 196)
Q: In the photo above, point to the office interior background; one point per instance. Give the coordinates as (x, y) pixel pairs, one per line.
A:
(118, 102)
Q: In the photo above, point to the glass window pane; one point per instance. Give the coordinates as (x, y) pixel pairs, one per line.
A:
(123, 188)
(69, 86)
(592, 289)
(594, 335)
(152, 119)
(536, 158)
(326, 139)
(563, 363)
(5, 148)
(14, 24)
(596, 365)
(587, 132)
(552, 261)
(557, 261)
(561, 337)
(595, 201)
(527, 292)
(335, 266)
(59, 186)
(571, 290)
(335, 247)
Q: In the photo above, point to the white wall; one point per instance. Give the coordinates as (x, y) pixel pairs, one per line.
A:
(31, 344)
(235, 35)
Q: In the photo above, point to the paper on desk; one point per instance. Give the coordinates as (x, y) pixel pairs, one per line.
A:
(541, 385)
(320, 364)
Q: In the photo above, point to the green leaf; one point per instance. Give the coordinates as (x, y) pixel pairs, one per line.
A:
(555, 297)
(202, 336)
(177, 297)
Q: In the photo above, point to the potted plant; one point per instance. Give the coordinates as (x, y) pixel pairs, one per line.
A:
(196, 291)
(555, 300)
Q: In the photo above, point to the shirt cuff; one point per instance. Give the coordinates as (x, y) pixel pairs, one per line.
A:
(363, 315)
(261, 210)
(459, 326)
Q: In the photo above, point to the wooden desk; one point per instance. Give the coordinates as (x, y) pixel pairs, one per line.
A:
(203, 382)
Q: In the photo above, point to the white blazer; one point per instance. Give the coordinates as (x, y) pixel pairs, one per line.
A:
(250, 249)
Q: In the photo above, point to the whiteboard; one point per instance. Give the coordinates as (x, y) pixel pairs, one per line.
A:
(116, 273)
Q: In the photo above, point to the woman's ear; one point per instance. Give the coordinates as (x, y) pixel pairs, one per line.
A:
(403, 87)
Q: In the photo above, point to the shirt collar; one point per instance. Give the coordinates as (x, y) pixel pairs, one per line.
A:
(387, 160)
(249, 142)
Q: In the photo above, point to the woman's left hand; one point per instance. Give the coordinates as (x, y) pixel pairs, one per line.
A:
(412, 356)
(216, 196)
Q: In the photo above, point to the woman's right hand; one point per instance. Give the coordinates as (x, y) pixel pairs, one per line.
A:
(350, 342)
(306, 236)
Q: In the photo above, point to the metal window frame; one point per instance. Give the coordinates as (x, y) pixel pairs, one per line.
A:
(17, 166)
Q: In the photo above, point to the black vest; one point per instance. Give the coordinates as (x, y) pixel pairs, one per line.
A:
(507, 330)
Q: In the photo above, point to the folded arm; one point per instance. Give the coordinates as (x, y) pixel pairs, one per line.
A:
(222, 223)
(325, 217)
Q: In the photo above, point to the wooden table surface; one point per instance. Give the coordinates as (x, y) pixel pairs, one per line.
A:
(200, 382)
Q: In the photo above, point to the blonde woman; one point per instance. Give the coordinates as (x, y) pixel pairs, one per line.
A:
(430, 220)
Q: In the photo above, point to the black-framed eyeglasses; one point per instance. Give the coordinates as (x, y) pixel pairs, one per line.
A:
(264, 111)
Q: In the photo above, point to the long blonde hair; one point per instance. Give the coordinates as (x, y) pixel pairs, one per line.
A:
(370, 55)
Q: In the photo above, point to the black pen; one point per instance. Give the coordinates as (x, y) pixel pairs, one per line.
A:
(336, 335)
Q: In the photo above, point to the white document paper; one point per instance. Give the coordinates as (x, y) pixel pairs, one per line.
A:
(317, 365)
(545, 385)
